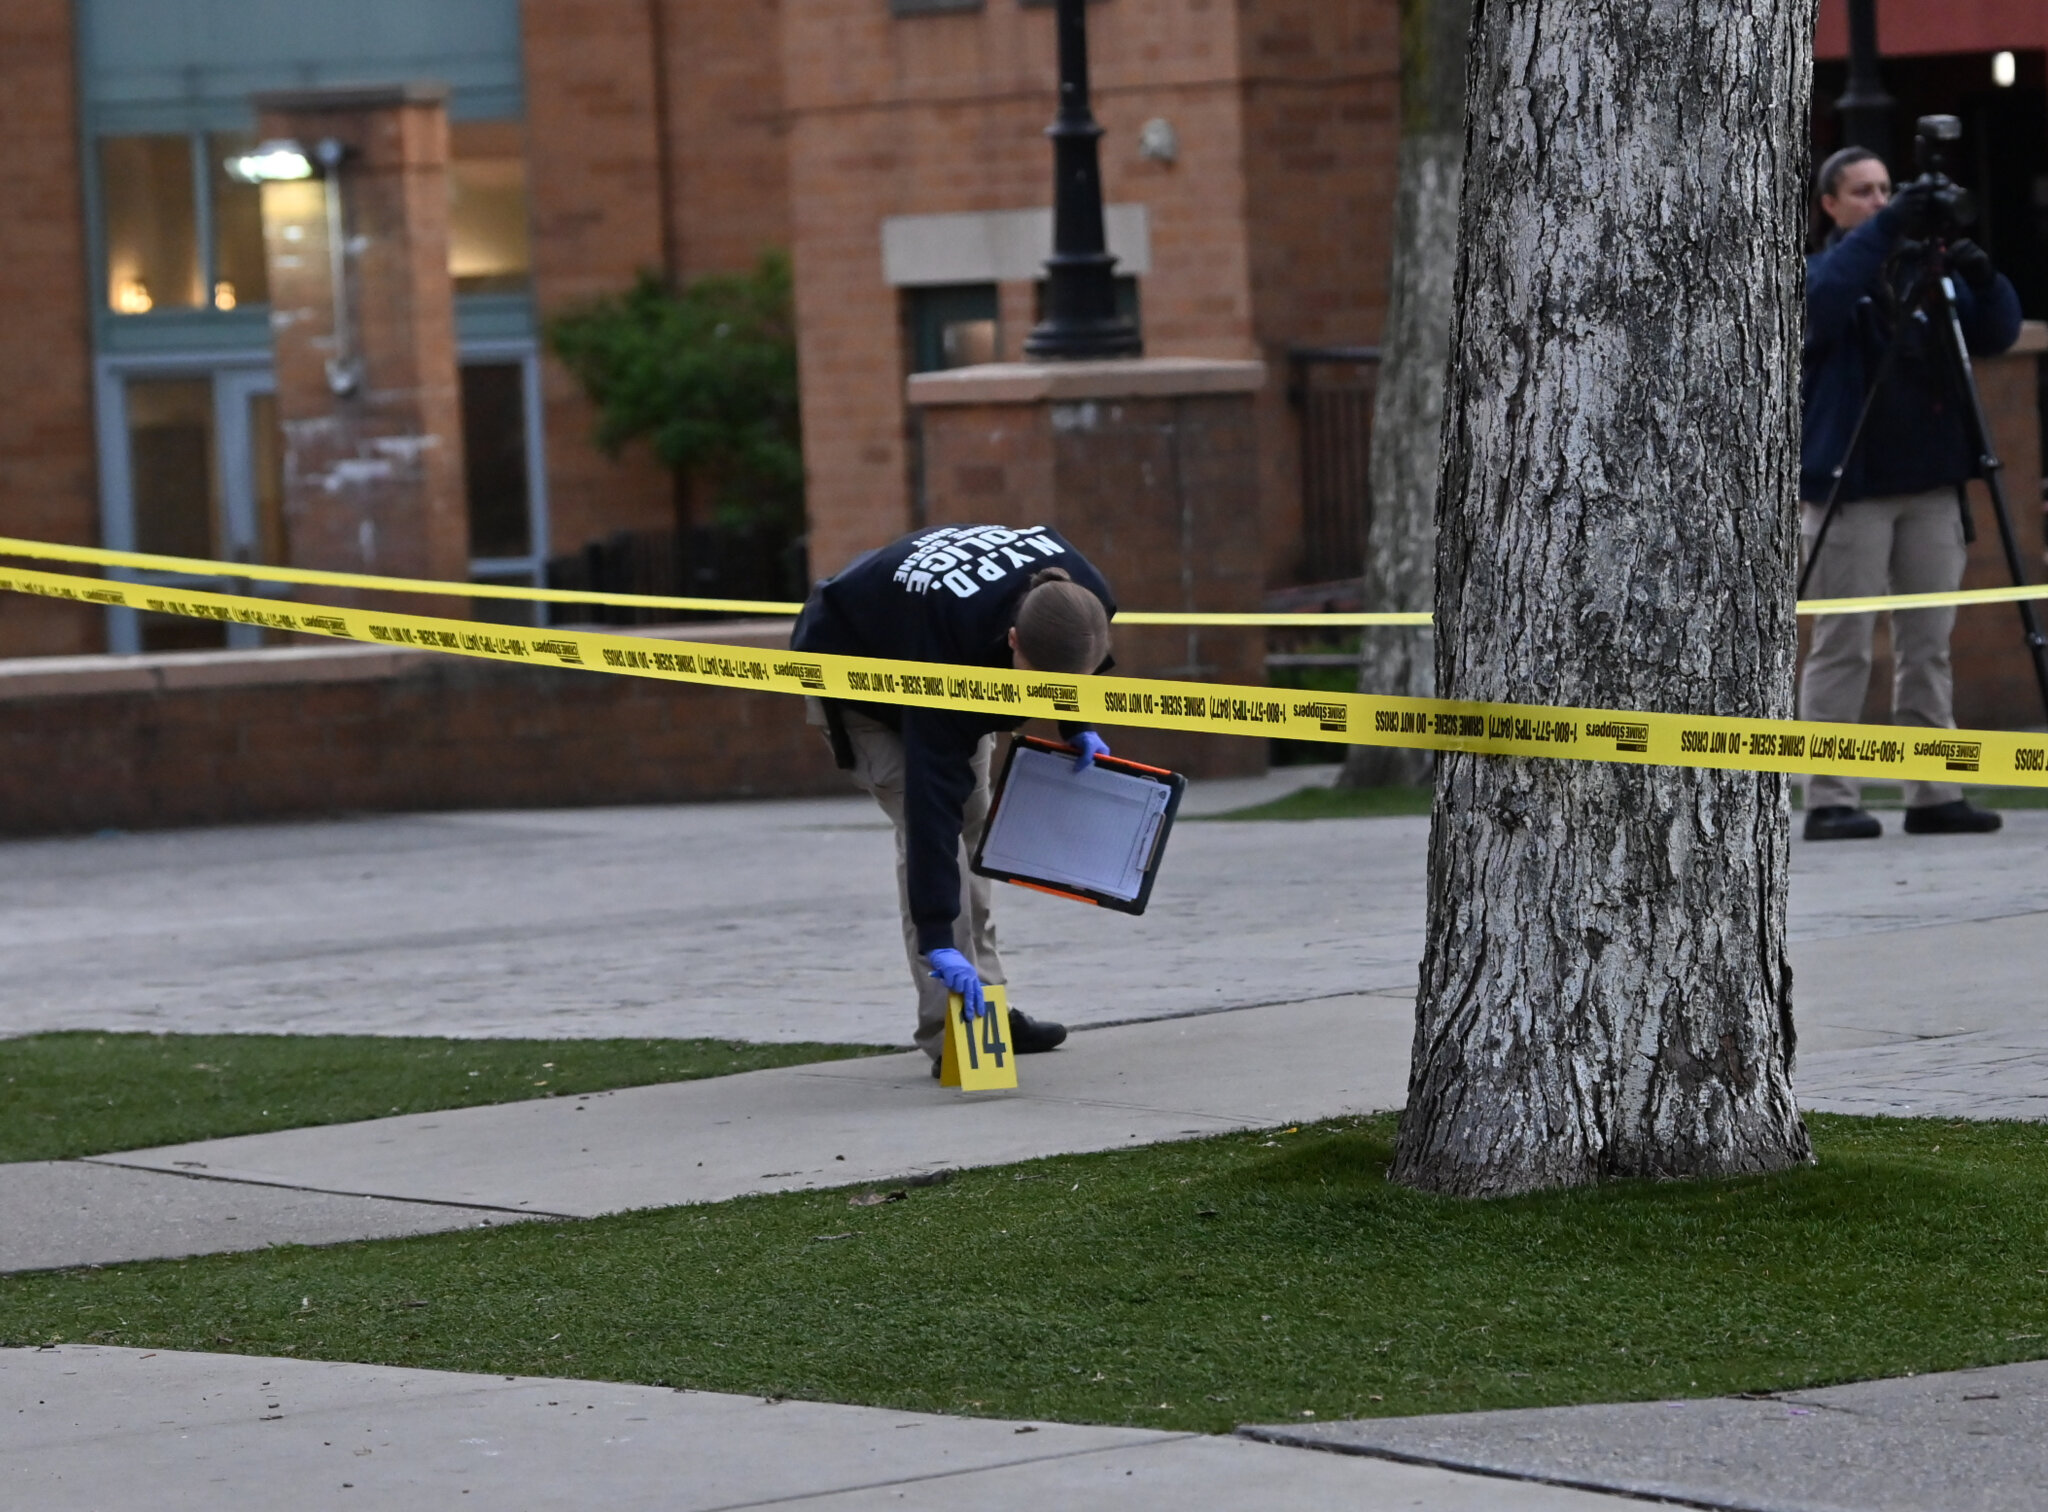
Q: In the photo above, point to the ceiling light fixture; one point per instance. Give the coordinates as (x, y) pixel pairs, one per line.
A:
(274, 162)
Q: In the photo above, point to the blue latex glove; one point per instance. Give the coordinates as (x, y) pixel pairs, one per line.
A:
(1090, 745)
(952, 968)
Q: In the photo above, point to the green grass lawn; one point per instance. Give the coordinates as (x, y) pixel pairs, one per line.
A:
(65, 1095)
(1379, 802)
(1248, 1278)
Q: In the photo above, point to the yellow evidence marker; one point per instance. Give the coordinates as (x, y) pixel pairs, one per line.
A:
(979, 1056)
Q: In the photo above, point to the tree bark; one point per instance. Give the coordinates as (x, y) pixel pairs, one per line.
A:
(1408, 403)
(1605, 990)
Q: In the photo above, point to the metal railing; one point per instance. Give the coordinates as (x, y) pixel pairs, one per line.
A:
(1332, 389)
(704, 561)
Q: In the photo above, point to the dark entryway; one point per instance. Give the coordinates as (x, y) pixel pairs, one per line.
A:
(1332, 391)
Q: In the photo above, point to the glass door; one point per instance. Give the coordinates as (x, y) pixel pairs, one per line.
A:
(252, 482)
(192, 465)
(505, 476)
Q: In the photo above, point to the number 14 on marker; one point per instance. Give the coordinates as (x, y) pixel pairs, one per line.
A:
(979, 1056)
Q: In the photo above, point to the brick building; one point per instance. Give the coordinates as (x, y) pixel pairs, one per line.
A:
(1252, 213)
(895, 146)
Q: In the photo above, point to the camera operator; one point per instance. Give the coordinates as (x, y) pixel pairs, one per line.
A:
(1900, 527)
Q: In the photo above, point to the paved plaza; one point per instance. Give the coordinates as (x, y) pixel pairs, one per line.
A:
(1919, 963)
(1917, 973)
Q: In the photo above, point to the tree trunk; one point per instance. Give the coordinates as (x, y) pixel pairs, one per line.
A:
(1408, 403)
(1605, 990)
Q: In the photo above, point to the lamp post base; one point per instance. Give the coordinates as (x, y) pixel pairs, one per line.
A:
(1083, 340)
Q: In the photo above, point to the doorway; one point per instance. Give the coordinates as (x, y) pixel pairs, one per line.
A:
(192, 464)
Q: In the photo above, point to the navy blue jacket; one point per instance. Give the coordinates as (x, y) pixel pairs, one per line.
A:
(1915, 439)
(947, 594)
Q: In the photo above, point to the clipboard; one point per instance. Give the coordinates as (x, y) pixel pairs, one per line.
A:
(1095, 836)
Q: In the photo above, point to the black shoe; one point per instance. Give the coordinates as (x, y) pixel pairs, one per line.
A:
(1956, 818)
(1030, 1036)
(1840, 822)
(935, 1070)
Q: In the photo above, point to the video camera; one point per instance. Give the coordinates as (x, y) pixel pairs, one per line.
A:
(1947, 207)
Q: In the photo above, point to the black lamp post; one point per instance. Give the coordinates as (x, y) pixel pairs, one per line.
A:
(1081, 318)
(1865, 109)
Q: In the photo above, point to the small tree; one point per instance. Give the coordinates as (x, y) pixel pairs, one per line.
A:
(1605, 990)
(707, 376)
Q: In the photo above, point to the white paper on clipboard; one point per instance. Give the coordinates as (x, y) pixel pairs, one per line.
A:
(1092, 829)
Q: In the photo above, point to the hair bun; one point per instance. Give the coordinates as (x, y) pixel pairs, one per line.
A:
(1046, 575)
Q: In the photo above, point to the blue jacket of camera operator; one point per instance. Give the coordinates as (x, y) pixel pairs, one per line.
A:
(1915, 439)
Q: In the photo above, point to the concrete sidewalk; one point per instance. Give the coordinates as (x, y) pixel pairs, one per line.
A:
(776, 921)
(829, 1124)
(1975, 1439)
(86, 1429)
(771, 921)
(111, 1430)
(1888, 1024)
(1273, 982)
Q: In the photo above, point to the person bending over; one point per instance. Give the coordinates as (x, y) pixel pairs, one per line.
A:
(974, 595)
(1899, 529)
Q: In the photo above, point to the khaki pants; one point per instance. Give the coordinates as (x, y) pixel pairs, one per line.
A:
(878, 767)
(1910, 544)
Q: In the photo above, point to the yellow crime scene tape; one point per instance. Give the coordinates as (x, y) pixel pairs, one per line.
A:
(1632, 737)
(143, 561)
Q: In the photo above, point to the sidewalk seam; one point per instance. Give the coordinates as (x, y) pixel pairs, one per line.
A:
(1368, 1451)
(1188, 1013)
(1898, 929)
(289, 1186)
(1226, 1122)
(918, 1480)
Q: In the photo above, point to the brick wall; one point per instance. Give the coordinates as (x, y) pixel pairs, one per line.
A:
(47, 471)
(1321, 132)
(658, 143)
(1158, 490)
(943, 113)
(213, 737)
(374, 475)
(1270, 229)
(594, 174)
(729, 150)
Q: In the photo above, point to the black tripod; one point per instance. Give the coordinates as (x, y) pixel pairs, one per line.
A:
(1933, 300)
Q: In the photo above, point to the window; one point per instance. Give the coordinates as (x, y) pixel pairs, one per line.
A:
(240, 274)
(152, 224)
(489, 248)
(494, 457)
(181, 234)
(167, 247)
(951, 326)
